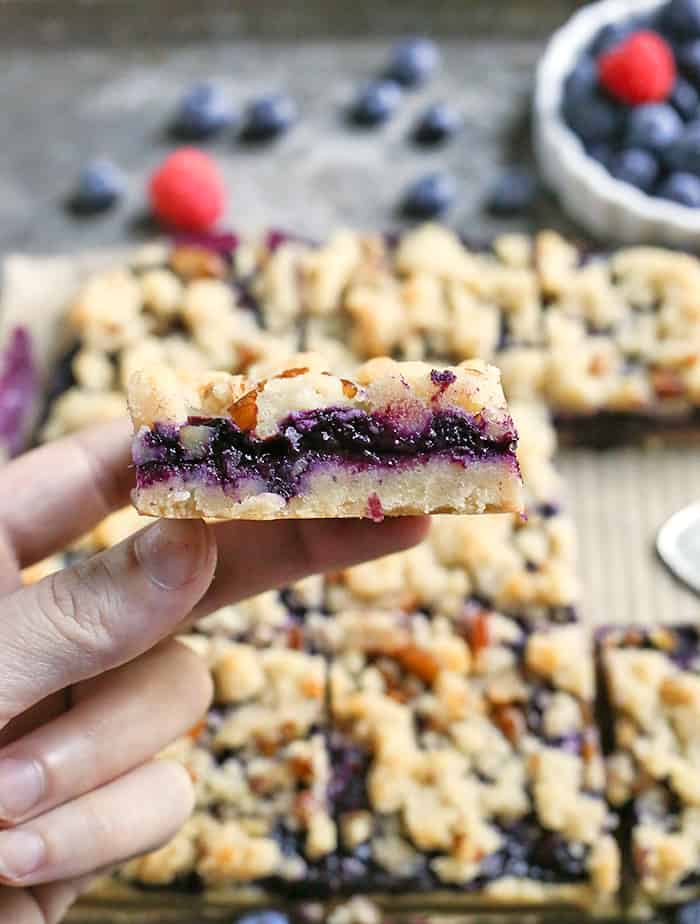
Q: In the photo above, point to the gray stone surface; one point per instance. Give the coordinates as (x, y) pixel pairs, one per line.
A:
(103, 80)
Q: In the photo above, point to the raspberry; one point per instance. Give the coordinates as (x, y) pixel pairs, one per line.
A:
(187, 191)
(641, 69)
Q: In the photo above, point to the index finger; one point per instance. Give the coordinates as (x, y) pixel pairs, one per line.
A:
(52, 495)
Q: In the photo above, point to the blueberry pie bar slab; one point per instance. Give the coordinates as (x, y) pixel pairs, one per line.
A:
(465, 761)
(400, 438)
(652, 683)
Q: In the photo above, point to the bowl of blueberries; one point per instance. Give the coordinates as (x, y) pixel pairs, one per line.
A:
(617, 120)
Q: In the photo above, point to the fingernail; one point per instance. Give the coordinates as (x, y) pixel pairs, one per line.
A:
(172, 551)
(21, 853)
(21, 787)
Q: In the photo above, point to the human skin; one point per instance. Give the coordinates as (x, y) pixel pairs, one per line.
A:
(92, 684)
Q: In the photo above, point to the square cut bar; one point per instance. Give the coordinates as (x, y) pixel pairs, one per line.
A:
(465, 763)
(401, 438)
(652, 684)
(261, 768)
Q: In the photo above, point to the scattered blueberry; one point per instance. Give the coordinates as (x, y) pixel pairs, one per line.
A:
(438, 123)
(582, 82)
(635, 166)
(413, 61)
(682, 17)
(594, 118)
(688, 56)
(683, 188)
(685, 99)
(654, 126)
(100, 184)
(203, 111)
(430, 196)
(684, 156)
(376, 102)
(688, 914)
(263, 917)
(269, 116)
(513, 192)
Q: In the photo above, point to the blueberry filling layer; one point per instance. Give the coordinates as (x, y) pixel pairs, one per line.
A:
(216, 451)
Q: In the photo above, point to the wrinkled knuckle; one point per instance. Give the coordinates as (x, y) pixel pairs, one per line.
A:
(78, 607)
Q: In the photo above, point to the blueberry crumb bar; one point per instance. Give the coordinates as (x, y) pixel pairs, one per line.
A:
(400, 438)
(652, 685)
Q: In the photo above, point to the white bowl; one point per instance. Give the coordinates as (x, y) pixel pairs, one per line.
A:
(601, 204)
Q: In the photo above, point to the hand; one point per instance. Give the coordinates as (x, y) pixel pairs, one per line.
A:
(91, 684)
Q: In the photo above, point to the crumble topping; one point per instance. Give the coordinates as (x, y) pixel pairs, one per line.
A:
(454, 661)
(653, 686)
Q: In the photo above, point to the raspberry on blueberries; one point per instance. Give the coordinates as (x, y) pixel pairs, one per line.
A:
(376, 102)
(187, 191)
(413, 61)
(100, 184)
(635, 166)
(685, 99)
(654, 126)
(430, 196)
(683, 188)
(641, 69)
(513, 192)
(203, 111)
(437, 123)
(270, 116)
(682, 17)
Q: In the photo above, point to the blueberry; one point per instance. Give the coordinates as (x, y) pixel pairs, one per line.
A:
(263, 917)
(438, 123)
(582, 82)
(100, 184)
(430, 196)
(611, 35)
(682, 17)
(655, 126)
(270, 116)
(376, 102)
(684, 97)
(203, 111)
(688, 914)
(593, 118)
(635, 166)
(688, 56)
(513, 192)
(684, 156)
(600, 151)
(413, 61)
(683, 188)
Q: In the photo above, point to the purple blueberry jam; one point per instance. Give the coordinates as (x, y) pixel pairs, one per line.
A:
(18, 389)
(225, 455)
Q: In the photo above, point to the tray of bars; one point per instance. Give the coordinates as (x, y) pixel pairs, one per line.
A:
(482, 723)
